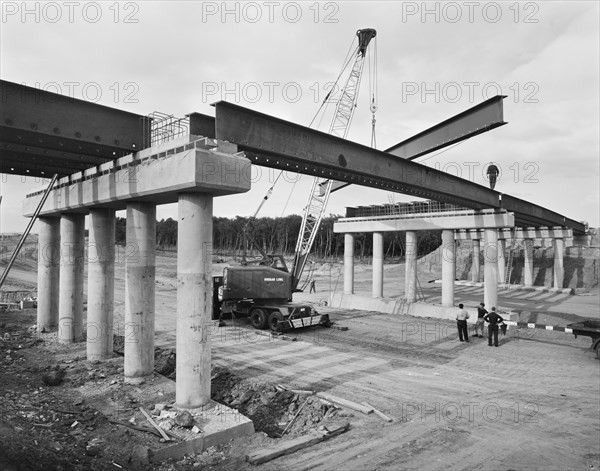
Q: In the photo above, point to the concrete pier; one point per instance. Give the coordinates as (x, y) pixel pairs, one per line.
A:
(490, 268)
(72, 254)
(559, 272)
(475, 264)
(448, 267)
(139, 291)
(101, 284)
(410, 280)
(48, 272)
(378, 264)
(194, 299)
(348, 263)
(501, 261)
(528, 262)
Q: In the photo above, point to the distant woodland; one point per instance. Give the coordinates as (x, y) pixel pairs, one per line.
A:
(279, 235)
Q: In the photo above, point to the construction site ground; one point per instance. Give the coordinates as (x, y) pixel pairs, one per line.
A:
(531, 403)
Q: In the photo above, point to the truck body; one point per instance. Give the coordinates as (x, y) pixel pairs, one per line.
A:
(264, 293)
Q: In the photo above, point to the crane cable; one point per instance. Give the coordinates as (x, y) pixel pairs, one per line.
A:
(349, 57)
(373, 92)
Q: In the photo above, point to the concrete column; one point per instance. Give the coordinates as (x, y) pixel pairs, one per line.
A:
(410, 279)
(528, 262)
(448, 267)
(140, 269)
(490, 268)
(501, 261)
(101, 284)
(72, 258)
(348, 263)
(194, 299)
(48, 272)
(475, 264)
(559, 273)
(378, 264)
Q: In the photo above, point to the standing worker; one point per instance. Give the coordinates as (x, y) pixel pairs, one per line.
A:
(494, 319)
(481, 311)
(461, 323)
(492, 173)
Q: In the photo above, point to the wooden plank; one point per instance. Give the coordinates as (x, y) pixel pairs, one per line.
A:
(346, 403)
(379, 413)
(302, 392)
(155, 425)
(290, 446)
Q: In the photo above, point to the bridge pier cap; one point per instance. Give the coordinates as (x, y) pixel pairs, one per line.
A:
(154, 175)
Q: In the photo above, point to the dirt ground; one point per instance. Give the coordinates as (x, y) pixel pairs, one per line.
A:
(532, 403)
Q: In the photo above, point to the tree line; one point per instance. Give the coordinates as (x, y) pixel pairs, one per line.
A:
(279, 235)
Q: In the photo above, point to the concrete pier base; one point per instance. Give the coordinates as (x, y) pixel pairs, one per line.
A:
(348, 263)
(48, 273)
(101, 284)
(377, 264)
(475, 265)
(448, 267)
(139, 291)
(194, 299)
(72, 253)
(410, 280)
(559, 272)
(490, 268)
(528, 262)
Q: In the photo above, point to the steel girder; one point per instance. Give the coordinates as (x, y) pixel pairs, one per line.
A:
(42, 133)
(476, 120)
(275, 143)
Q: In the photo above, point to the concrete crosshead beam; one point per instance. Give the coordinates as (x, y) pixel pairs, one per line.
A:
(433, 221)
(519, 233)
(156, 178)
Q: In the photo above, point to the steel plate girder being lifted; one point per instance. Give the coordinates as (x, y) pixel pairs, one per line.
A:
(476, 120)
(275, 143)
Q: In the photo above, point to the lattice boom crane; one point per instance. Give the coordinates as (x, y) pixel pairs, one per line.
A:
(340, 124)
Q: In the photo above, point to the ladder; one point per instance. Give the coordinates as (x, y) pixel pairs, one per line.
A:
(509, 265)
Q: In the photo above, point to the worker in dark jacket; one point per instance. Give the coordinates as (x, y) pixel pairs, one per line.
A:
(494, 319)
(492, 173)
(481, 311)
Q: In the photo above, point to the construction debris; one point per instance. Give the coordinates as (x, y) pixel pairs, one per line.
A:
(154, 424)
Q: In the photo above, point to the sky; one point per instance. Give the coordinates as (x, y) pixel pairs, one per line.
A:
(433, 60)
